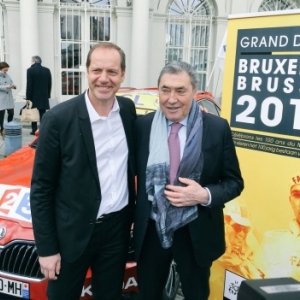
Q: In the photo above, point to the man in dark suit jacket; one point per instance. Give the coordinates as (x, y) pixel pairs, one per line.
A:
(82, 193)
(183, 220)
(38, 88)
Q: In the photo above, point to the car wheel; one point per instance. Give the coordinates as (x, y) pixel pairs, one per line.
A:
(172, 284)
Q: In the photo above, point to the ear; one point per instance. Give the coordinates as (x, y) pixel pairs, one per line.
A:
(123, 76)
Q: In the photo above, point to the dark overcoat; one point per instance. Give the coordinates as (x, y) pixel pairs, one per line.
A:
(38, 87)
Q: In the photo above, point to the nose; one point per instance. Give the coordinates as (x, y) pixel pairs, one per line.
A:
(172, 97)
(103, 76)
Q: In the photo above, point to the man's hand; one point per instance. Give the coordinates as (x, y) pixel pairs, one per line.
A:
(202, 108)
(50, 266)
(191, 194)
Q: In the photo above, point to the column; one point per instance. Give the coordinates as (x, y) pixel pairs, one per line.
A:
(29, 35)
(139, 46)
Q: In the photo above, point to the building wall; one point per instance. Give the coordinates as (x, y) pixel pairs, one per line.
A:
(49, 40)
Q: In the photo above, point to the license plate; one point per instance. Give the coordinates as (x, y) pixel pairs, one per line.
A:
(15, 288)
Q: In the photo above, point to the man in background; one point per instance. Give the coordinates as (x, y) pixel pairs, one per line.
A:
(38, 88)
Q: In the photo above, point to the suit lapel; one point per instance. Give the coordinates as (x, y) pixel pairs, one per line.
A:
(127, 124)
(125, 121)
(205, 129)
(87, 135)
(86, 132)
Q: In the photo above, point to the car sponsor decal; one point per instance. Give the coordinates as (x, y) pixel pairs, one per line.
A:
(146, 100)
(14, 202)
(131, 282)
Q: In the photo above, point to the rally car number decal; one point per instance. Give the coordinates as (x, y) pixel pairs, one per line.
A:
(14, 202)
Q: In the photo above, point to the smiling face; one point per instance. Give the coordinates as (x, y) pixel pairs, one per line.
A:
(104, 75)
(176, 94)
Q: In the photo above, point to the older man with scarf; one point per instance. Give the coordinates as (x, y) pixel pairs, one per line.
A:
(181, 219)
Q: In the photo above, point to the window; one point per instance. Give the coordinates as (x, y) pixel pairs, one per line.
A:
(93, 2)
(188, 34)
(273, 5)
(82, 24)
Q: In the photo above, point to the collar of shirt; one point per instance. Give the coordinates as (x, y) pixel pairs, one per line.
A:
(183, 122)
(112, 157)
(92, 112)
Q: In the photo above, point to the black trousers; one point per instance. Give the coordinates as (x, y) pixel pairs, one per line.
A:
(154, 263)
(106, 254)
(34, 124)
(10, 116)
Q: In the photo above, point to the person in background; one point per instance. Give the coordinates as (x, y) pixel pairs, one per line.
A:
(6, 97)
(179, 210)
(38, 88)
(82, 192)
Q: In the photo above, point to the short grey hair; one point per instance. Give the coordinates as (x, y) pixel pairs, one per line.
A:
(107, 45)
(36, 59)
(176, 67)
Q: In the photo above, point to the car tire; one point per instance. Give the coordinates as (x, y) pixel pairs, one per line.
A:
(172, 284)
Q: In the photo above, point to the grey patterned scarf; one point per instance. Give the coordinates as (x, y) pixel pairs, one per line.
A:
(167, 217)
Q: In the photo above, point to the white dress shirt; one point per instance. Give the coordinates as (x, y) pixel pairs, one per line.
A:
(112, 157)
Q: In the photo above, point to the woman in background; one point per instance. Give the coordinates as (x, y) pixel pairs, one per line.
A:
(6, 98)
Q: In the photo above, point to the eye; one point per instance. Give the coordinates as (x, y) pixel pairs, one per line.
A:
(165, 90)
(181, 91)
(113, 72)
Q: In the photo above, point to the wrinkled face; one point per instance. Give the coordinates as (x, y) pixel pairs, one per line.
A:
(104, 74)
(295, 200)
(237, 234)
(176, 95)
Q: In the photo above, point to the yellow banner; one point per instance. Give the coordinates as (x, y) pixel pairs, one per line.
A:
(261, 101)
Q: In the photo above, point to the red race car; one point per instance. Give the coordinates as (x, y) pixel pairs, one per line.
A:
(20, 276)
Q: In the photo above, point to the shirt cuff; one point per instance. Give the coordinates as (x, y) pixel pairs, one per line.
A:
(209, 198)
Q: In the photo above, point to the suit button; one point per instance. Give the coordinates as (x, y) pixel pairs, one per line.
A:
(91, 222)
(97, 199)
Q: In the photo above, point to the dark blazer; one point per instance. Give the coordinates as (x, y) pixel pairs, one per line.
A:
(38, 87)
(65, 192)
(221, 174)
